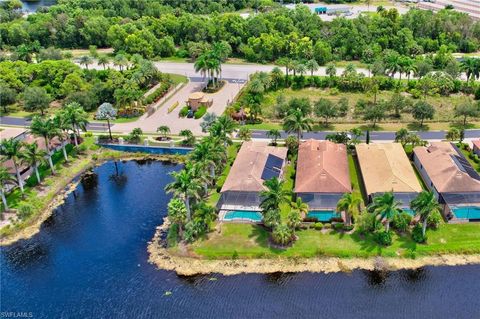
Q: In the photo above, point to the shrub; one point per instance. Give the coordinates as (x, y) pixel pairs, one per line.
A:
(401, 221)
(383, 237)
(338, 226)
(25, 210)
(184, 111)
(417, 234)
(365, 223)
(88, 134)
(173, 237)
(310, 219)
(434, 220)
(200, 112)
(334, 91)
(327, 225)
(348, 227)
(157, 94)
(318, 226)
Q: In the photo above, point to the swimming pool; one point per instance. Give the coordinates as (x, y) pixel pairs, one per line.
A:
(409, 211)
(149, 149)
(244, 215)
(323, 215)
(467, 212)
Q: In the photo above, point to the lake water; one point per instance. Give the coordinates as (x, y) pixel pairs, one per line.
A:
(32, 6)
(90, 261)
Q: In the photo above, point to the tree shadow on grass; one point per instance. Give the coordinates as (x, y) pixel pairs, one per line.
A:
(323, 127)
(415, 126)
(371, 128)
(367, 243)
(459, 125)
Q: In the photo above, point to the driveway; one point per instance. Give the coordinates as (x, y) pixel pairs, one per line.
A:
(161, 117)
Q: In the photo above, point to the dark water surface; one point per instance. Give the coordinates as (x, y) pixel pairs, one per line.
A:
(32, 6)
(90, 261)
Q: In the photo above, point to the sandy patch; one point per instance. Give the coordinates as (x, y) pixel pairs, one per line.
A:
(188, 266)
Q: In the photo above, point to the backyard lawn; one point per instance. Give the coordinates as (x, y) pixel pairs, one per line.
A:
(252, 241)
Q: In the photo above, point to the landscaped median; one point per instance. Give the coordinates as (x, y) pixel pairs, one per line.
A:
(244, 248)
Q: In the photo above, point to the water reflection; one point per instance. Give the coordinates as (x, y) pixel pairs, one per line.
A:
(118, 177)
(414, 275)
(279, 278)
(26, 254)
(376, 278)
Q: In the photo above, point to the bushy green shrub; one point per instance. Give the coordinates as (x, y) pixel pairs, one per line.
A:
(348, 227)
(173, 236)
(327, 225)
(365, 223)
(157, 94)
(200, 112)
(88, 134)
(434, 220)
(338, 226)
(25, 210)
(417, 234)
(184, 111)
(401, 221)
(383, 237)
(318, 226)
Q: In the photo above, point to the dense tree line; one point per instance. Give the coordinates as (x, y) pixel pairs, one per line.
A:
(156, 28)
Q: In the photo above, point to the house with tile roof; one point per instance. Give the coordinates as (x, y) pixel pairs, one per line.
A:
(386, 168)
(322, 177)
(255, 163)
(450, 176)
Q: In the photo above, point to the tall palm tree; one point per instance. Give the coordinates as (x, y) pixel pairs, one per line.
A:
(274, 134)
(210, 153)
(199, 174)
(312, 66)
(297, 122)
(425, 204)
(386, 207)
(184, 187)
(471, 67)
(120, 61)
(34, 157)
(294, 220)
(300, 206)
(222, 128)
(86, 61)
(12, 149)
(5, 179)
(350, 204)
(103, 60)
(44, 127)
(77, 118)
(274, 195)
(282, 234)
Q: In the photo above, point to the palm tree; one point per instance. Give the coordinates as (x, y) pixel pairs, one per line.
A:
(34, 157)
(300, 206)
(425, 204)
(5, 179)
(222, 128)
(184, 187)
(297, 122)
(245, 134)
(77, 118)
(85, 60)
(106, 111)
(471, 67)
(386, 207)
(198, 173)
(121, 61)
(274, 134)
(103, 60)
(188, 137)
(45, 128)
(350, 204)
(164, 130)
(401, 136)
(312, 66)
(294, 220)
(210, 153)
(177, 213)
(12, 149)
(281, 234)
(274, 195)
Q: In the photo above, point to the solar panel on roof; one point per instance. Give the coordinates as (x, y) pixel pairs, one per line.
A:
(269, 173)
(274, 161)
(464, 165)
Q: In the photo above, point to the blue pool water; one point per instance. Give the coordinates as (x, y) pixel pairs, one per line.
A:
(241, 214)
(468, 212)
(323, 215)
(409, 211)
(149, 149)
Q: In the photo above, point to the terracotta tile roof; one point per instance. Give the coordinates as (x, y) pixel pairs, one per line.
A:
(476, 143)
(322, 167)
(246, 172)
(444, 173)
(385, 167)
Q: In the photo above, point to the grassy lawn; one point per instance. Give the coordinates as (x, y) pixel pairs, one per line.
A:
(251, 241)
(289, 179)
(177, 78)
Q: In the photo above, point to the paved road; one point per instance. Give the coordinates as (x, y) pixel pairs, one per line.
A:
(25, 121)
(374, 136)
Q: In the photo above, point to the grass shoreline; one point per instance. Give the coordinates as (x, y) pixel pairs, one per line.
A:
(189, 265)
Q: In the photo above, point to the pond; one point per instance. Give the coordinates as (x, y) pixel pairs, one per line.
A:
(90, 261)
(34, 5)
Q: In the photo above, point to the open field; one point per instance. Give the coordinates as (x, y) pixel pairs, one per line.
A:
(251, 241)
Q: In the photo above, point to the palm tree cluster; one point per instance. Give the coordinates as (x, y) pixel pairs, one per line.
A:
(68, 121)
(209, 64)
(192, 184)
